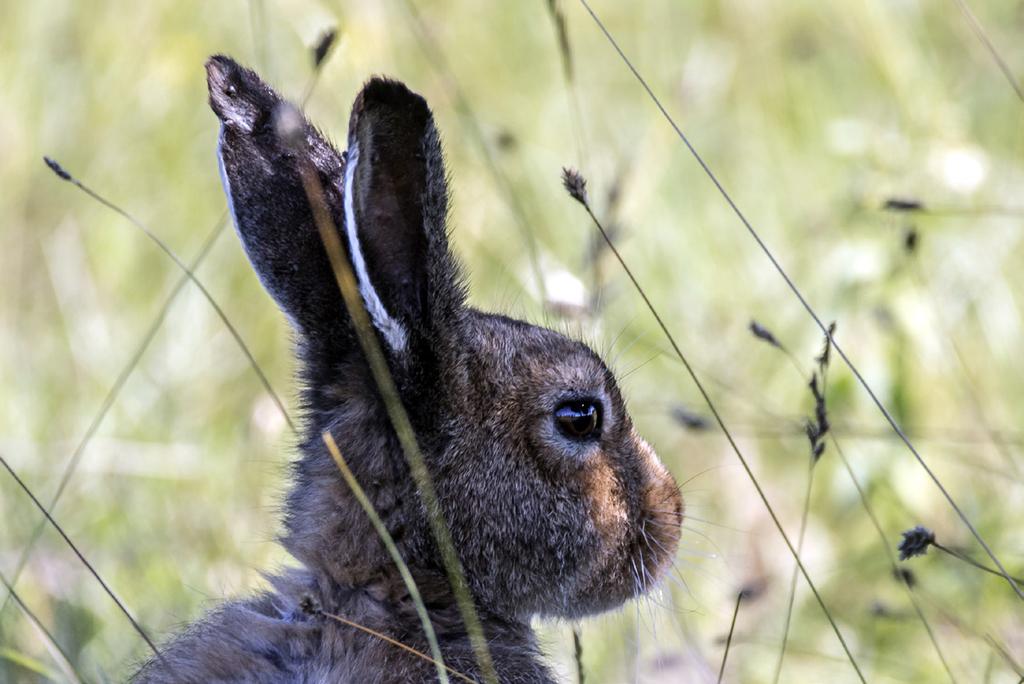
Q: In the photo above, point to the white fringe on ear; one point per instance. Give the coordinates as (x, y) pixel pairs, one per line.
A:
(393, 331)
(224, 178)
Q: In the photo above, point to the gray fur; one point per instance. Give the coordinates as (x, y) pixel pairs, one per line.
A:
(543, 524)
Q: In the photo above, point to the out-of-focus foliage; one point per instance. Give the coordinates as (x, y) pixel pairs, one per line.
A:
(811, 113)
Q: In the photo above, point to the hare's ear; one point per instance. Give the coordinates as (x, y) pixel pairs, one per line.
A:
(267, 201)
(395, 207)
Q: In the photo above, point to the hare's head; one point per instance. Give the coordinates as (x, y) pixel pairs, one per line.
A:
(556, 505)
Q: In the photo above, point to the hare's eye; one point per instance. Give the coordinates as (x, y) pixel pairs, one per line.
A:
(578, 419)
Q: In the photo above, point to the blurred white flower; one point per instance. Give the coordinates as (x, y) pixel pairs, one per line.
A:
(961, 169)
(847, 136)
(266, 416)
(565, 289)
(708, 71)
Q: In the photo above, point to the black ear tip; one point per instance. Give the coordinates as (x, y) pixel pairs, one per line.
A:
(219, 68)
(388, 90)
(388, 95)
(237, 95)
(222, 81)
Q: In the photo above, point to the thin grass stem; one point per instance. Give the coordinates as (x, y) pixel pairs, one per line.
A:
(393, 642)
(791, 597)
(891, 556)
(728, 639)
(979, 31)
(64, 175)
(970, 561)
(1001, 649)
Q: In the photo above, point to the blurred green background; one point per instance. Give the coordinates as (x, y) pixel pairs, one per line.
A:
(812, 114)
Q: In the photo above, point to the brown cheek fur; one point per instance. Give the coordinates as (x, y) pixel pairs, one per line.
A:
(607, 505)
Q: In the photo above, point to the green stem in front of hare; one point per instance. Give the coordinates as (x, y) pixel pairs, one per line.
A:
(389, 543)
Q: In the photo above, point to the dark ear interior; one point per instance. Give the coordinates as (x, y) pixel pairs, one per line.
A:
(390, 137)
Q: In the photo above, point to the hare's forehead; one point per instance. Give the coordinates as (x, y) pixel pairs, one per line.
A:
(571, 369)
(548, 360)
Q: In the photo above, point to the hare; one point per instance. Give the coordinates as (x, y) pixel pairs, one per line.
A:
(556, 505)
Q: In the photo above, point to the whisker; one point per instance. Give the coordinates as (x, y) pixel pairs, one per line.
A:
(611, 345)
(702, 472)
(618, 355)
(623, 376)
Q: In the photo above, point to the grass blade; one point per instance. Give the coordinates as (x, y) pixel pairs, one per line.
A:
(64, 175)
(728, 639)
(891, 556)
(792, 580)
(979, 31)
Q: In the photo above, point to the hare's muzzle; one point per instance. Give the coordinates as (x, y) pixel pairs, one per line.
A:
(661, 515)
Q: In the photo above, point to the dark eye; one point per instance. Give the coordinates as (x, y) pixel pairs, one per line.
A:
(578, 419)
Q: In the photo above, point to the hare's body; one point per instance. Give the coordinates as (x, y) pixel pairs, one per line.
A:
(271, 638)
(555, 505)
